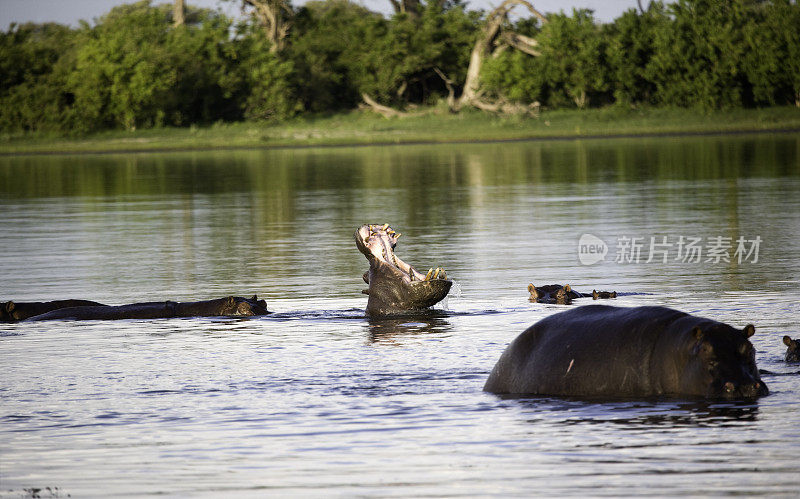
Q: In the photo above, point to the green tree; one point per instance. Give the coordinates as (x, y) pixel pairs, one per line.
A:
(772, 60)
(264, 84)
(570, 69)
(324, 47)
(699, 55)
(630, 47)
(32, 72)
(135, 70)
(573, 59)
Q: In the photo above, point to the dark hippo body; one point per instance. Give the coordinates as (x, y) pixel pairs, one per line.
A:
(603, 351)
(395, 286)
(232, 306)
(12, 311)
(792, 350)
(563, 295)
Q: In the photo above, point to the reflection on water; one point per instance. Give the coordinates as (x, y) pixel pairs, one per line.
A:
(318, 399)
(385, 329)
(638, 414)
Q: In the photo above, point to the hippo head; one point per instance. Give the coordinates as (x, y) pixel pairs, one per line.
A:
(232, 306)
(603, 295)
(793, 350)
(238, 306)
(7, 313)
(394, 286)
(727, 366)
(552, 293)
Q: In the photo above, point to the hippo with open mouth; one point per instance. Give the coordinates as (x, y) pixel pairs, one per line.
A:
(395, 286)
(603, 351)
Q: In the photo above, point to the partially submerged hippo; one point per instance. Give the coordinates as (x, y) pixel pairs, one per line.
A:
(563, 295)
(395, 286)
(11, 311)
(232, 306)
(793, 350)
(603, 351)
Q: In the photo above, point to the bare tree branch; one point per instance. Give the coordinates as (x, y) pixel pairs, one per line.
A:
(274, 16)
(385, 111)
(521, 42)
(451, 94)
(485, 43)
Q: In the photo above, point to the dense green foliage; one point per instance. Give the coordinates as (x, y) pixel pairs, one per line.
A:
(134, 69)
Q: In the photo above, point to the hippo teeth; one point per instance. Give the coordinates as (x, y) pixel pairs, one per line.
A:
(437, 273)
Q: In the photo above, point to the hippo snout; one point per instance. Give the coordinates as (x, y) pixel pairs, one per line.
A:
(746, 390)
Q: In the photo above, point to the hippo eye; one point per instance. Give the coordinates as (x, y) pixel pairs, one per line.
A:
(712, 365)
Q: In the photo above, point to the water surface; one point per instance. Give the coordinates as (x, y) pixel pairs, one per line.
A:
(317, 399)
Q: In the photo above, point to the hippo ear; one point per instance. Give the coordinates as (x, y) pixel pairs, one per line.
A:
(697, 333)
(9, 306)
(531, 288)
(255, 298)
(567, 288)
(594, 294)
(230, 300)
(749, 330)
(613, 294)
(787, 341)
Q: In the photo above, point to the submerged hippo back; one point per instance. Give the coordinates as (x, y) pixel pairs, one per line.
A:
(13, 311)
(604, 351)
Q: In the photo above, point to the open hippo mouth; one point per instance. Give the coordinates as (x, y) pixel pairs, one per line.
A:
(394, 285)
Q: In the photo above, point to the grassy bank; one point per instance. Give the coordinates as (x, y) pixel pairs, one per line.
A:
(430, 126)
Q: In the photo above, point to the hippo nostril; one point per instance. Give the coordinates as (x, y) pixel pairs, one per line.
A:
(729, 387)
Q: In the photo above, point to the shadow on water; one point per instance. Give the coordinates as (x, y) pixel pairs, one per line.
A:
(640, 414)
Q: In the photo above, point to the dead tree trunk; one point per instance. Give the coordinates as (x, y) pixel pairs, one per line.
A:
(471, 96)
(178, 13)
(385, 111)
(412, 7)
(274, 17)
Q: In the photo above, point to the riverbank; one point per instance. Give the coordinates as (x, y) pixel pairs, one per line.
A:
(434, 125)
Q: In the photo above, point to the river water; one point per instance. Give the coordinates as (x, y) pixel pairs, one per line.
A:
(317, 400)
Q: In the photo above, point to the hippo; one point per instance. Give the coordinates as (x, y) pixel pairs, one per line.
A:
(793, 350)
(603, 295)
(609, 352)
(395, 286)
(563, 295)
(232, 306)
(18, 311)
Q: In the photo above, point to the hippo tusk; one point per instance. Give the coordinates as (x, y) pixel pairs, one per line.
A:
(428, 275)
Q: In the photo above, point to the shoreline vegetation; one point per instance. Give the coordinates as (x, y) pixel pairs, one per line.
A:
(149, 76)
(434, 125)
